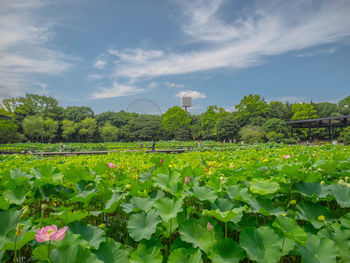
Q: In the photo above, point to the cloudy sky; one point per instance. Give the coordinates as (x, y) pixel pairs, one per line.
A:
(106, 54)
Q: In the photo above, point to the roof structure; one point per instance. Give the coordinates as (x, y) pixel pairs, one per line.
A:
(330, 123)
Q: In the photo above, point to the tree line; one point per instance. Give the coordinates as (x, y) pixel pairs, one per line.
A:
(40, 119)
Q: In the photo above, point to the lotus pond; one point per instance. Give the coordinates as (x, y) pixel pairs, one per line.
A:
(262, 203)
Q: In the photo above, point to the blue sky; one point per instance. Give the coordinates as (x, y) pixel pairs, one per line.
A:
(106, 54)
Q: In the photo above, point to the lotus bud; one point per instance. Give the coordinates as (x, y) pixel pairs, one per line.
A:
(322, 182)
(321, 218)
(210, 227)
(293, 202)
(341, 181)
(222, 179)
(161, 161)
(102, 226)
(44, 206)
(25, 210)
(19, 229)
(187, 180)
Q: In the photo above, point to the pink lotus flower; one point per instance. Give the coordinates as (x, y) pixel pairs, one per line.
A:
(161, 161)
(210, 227)
(286, 156)
(187, 180)
(50, 233)
(231, 166)
(111, 165)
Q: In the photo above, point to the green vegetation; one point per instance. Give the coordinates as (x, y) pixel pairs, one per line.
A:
(263, 203)
(40, 119)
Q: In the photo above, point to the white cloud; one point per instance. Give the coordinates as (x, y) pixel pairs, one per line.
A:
(118, 90)
(191, 93)
(153, 85)
(331, 50)
(99, 64)
(24, 50)
(93, 77)
(174, 85)
(269, 28)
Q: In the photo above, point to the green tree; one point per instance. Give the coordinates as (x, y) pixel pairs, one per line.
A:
(78, 113)
(344, 106)
(303, 111)
(117, 119)
(275, 129)
(34, 127)
(87, 128)
(227, 128)
(209, 119)
(8, 129)
(326, 109)
(251, 106)
(68, 129)
(279, 110)
(51, 128)
(174, 119)
(109, 133)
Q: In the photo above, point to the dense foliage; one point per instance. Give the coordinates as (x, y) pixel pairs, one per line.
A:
(264, 203)
(41, 119)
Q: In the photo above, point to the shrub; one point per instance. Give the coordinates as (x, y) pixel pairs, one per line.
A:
(345, 136)
(251, 134)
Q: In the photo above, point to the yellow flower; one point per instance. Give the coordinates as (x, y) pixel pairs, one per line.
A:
(321, 218)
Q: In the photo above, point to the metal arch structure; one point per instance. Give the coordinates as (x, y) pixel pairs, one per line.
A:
(144, 100)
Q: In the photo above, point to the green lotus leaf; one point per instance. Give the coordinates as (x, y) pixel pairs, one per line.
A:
(146, 254)
(4, 204)
(92, 234)
(47, 174)
(195, 232)
(8, 221)
(168, 208)
(325, 166)
(84, 196)
(73, 254)
(205, 193)
(311, 212)
(113, 202)
(320, 250)
(315, 190)
(262, 244)
(183, 255)
(345, 221)
(222, 204)
(137, 204)
(228, 251)
(16, 196)
(341, 194)
(225, 216)
(142, 225)
(170, 183)
(111, 251)
(41, 252)
(263, 187)
(237, 192)
(290, 229)
(341, 238)
(22, 240)
(68, 216)
(265, 207)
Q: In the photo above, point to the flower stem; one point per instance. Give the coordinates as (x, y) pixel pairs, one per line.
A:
(226, 230)
(49, 250)
(15, 256)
